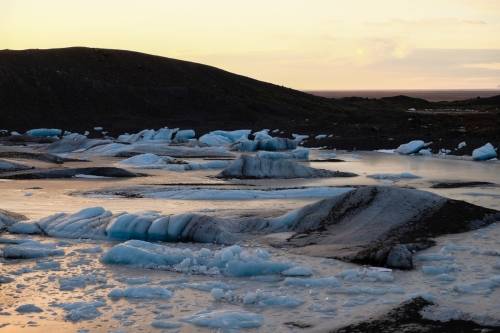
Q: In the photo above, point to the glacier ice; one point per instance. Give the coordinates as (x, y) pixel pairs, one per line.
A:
(484, 153)
(226, 319)
(145, 292)
(230, 261)
(254, 167)
(44, 132)
(29, 249)
(411, 147)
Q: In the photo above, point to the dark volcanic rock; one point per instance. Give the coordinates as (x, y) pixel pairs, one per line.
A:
(8, 218)
(71, 172)
(253, 167)
(8, 166)
(407, 318)
(461, 184)
(369, 225)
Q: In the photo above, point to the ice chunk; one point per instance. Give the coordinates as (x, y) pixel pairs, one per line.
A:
(232, 261)
(77, 311)
(130, 226)
(31, 249)
(184, 135)
(141, 292)
(44, 132)
(372, 274)
(313, 282)
(80, 281)
(148, 160)
(244, 194)
(28, 228)
(255, 167)
(482, 287)
(411, 147)
(298, 271)
(165, 324)
(87, 223)
(484, 153)
(262, 298)
(28, 308)
(393, 176)
(226, 319)
(299, 154)
(7, 166)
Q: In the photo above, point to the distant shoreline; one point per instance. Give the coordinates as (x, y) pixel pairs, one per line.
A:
(430, 95)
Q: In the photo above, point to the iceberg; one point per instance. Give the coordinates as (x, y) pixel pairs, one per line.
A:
(298, 154)
(184, 135)
(44, 132)
(7, 166)
(30, 249)
(229, 261)
(141, 292)
(484, 153)
(411, 147)
(226, 320)
(254, 167)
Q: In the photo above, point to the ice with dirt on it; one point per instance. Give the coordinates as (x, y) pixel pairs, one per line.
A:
(255, 167)
(77, 311)
(230, 261)
(322, 282)
(163, 135)
(226, 320)
(393, 176)
(7, 166)
(298, 154)
(244, 194)
(147, 161)
(30, 249)
(28, 308)
(141, 292)
(484, 153)
(411, 147)
(371, 274)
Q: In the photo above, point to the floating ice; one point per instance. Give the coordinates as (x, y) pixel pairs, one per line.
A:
(298, 271)
(372, 274)
(141, 292)
(163, 134)
(411, 147)
(44, 132)
(262, 298)
(80, 281)
(298, 154)
(77, 311)
(31, 249)
(256, 167)
(28, 308)
(165, 324)
(313, 282)
(244, 194)
(148, 160)
(226, 319)
(231, 261)
(184, 135)
(482, 287)
(393, 176)
(484, 153)
(7, 166)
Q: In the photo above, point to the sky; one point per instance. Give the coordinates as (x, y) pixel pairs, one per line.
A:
(302, 44)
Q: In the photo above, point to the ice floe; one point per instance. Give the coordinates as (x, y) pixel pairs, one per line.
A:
(486, 152)
(29, 249)
(255, 167)
(226, 319)
(145, 292)
(411, 147)
(393, 176)
(231, 261)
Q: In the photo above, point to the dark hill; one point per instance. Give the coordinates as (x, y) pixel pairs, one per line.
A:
(79, 88)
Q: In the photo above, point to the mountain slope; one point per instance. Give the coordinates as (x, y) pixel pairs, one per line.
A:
(128, 90)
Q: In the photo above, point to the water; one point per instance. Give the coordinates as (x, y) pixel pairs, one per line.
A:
(324, 308)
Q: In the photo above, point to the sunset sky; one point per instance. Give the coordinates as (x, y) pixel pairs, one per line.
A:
(303, 44)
